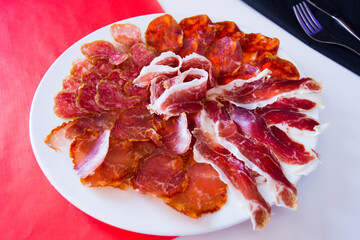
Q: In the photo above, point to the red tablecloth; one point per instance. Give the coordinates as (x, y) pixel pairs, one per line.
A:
(32, 35)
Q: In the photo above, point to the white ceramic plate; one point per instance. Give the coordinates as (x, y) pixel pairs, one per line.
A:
(124, 209)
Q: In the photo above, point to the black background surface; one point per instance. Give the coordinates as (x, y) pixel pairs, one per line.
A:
(281, 13)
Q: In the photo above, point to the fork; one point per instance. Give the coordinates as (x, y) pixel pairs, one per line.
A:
(313, 28)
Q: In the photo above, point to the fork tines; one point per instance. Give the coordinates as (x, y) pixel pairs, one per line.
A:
(306, 19)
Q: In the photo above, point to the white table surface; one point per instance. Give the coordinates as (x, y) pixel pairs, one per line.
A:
(329, 198)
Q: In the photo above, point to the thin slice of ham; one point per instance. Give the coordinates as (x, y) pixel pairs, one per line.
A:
(175, 135)
(262, 90)
(167, 64)
(207, 149)
(186, 95)
(89, 151)
(254, 127)
(255, 155)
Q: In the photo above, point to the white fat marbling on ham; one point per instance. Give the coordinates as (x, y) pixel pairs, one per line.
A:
(167, 64)
(243, 93)
(184, 96)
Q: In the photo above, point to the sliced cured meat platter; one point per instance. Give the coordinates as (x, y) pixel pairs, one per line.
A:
(176, 125)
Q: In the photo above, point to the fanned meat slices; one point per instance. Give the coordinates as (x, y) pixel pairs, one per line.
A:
(162, 174)
(254, 127)
(255, 155)
(238, 174)
(205, 192)
(152, 116)
(103, 49)
(261, 88)
(164, 34)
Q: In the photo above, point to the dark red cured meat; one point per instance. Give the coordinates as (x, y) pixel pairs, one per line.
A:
(246, 92)
(164, 34)
(120, 164)
(110, 96)
(254, 127)
(89, 151)
(239, 175)
(79, 66)
(162, 174)
(199, 32)
(289, 117)
(103, 49)
(102, 67)
(293, 104)
(255, 152)
(85, 100)
(65, 105)
(71, 84)
(90, 78)
(132, 124)
(205, 192)
(127, 34)
(225, 55)
(175, 134)
(142, 54)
